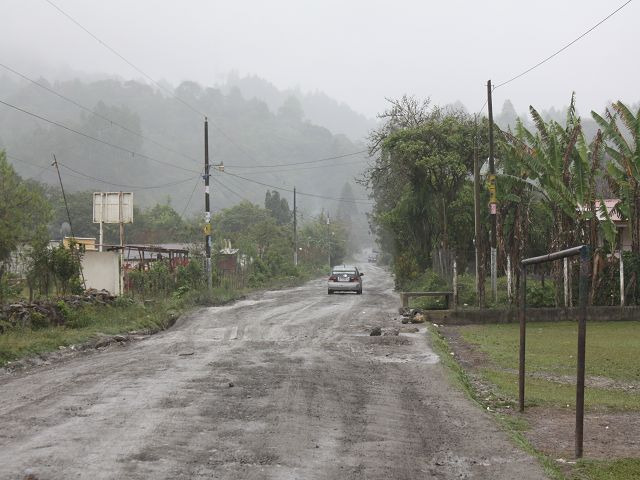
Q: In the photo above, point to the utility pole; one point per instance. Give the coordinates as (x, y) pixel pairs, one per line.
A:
(329, 240)
(476, 213)
(295, 229)
(492, 202)
(66, 206)
(207, 210)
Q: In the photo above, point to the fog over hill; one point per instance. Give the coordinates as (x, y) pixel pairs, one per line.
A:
(318, 107)
(149, 142)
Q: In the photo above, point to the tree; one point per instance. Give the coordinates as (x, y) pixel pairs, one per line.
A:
(425, 156)
(23, 213)
(291, 110)
(557, 166)
(624, 167)
(278, 207)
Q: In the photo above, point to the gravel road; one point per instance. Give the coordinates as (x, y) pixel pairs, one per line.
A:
(283, 385)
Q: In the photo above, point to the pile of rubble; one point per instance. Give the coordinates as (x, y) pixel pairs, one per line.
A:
(44, 313)
(412, 315)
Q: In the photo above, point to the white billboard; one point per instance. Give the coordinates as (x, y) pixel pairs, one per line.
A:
(113, 207)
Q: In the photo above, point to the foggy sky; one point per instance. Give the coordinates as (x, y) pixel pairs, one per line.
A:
(357, 51)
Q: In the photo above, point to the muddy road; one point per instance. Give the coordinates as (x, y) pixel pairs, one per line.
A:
(283, 385)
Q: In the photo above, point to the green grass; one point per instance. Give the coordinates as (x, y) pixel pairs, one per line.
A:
(611, 353)
(90, 322)
(543, 392)
(513, 425)
(611, 350)
(627, 469)
(87, 323)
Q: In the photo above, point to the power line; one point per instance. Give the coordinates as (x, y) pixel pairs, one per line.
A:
(135, 187)
(264, 172)
(229, 189)
(80, 174)
(566, 46)
(184, 210)
(300, 163)
(148, 77)
(42, 168)
(355, 201)
(95, 139)
(92, 112)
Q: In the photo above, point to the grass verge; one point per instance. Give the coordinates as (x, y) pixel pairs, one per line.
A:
(612, 368)
(513, 425)
(551, 347)
(541, 392)
(626, 468)
(124, 316)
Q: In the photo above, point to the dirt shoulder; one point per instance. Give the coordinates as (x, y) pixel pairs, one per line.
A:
(608, 434)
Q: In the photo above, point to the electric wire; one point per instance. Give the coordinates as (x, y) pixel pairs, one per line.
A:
(148, 77)
(135, 187)
(288, 170)
(96, 114)
(326, 159)
(42, 168)
(171, 93)
(229, 189)
(584, 34)
(337, 199)
(79, 174)
(95, 139)
(186, 207)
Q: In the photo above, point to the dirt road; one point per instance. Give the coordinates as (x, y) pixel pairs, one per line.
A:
(284, 385)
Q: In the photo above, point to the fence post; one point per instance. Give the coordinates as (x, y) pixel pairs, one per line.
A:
(565, 262)
(509, 280)
(455, 282)
(621, 279)
(582, 333)
(523, 334)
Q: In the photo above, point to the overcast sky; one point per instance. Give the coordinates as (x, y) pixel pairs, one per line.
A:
(357, 51)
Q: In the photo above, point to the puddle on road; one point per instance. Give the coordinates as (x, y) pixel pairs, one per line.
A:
(427, 358)
(404, 339)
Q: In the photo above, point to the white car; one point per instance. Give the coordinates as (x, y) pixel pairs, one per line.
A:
(345, 278)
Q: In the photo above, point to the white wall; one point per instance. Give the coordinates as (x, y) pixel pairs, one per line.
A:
(102, 271)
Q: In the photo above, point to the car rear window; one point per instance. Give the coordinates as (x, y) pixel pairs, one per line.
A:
(338, 272)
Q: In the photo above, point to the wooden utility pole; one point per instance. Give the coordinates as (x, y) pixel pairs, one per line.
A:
(66, 206)
(492, 202)
(207, 210)
(295, 229)
(476, 213)
(329, 240)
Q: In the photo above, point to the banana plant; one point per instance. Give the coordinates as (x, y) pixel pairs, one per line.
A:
(623, 148)
(561, 168)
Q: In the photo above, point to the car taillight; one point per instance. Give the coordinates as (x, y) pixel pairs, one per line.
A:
(333, 278)
(353, 279)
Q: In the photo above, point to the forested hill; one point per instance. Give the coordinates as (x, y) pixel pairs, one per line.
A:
(318, 107)
(253, 141)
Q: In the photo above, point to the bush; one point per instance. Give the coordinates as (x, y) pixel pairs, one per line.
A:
(38, 321)
(539, 295)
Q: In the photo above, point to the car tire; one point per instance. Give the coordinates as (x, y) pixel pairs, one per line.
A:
(359, 292)
(330, 292)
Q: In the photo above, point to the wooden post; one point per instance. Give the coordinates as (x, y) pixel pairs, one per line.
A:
(455, 282)
(509, 279)
(565, 261)
(582, 334)
(523, 335)
(621, 279)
